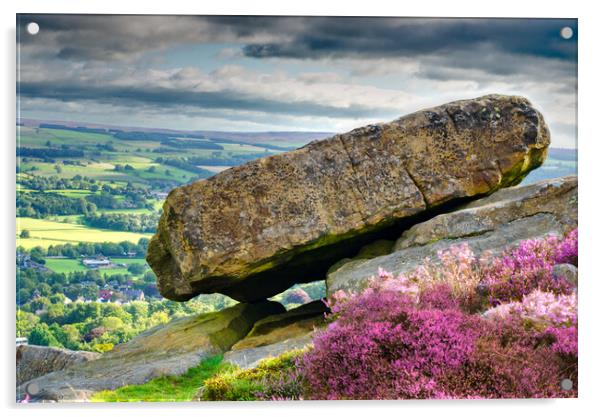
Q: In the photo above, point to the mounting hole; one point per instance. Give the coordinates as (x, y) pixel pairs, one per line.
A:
(566, 384)
(566, 32)
(32, 389)
(33, 28)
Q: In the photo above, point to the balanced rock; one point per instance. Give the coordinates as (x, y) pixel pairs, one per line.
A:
(252, 231)
(493, 223)
(34, 361)
(169, 349)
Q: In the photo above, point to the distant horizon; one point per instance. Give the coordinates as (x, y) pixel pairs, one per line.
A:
(167, 130)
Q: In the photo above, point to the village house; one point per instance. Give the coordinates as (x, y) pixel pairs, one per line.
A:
(94, 263)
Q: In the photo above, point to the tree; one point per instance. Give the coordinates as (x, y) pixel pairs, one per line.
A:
(25, 322)
(149, 277)
(24, 234)
(23, 296)
(136, 269)
(42, 336)
(58, 169)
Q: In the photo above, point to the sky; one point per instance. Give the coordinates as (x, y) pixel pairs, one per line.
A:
(259, 73)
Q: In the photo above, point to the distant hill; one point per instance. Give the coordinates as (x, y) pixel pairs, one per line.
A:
(284, 140)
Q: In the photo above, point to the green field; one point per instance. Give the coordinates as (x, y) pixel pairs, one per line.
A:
(46, 232)
(74, 265)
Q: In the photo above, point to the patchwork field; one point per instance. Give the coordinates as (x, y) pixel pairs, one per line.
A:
(46, 232)
(73, 265)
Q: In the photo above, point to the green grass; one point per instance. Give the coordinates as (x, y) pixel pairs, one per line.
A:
(235, 384)
(46, 232)
(74, 265)
(65, 265)
(167, 388)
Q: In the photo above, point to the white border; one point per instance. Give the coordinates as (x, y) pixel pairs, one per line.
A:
(590, 153)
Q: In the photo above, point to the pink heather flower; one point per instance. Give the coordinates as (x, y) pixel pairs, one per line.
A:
(565, 340)
(540, 308)
(528, 267)
(567, 250)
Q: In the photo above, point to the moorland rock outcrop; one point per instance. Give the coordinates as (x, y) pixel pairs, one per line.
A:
(254, 230)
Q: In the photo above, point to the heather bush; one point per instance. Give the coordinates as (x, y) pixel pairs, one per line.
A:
(565, 342)
(510, 362)
(382, 346)
(458, 267)
(567, 250)
(540, 310)
(412, 335)
(528, 267)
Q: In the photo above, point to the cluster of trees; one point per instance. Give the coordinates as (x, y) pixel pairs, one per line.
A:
(229, 159)
(132, 198)
(34, 283)
(100, 326)
(41, 204)
(39, 183)
(48, 153)
(142, 223)
(48, 320)
(183, 163)
(90, 249)
(191, 144)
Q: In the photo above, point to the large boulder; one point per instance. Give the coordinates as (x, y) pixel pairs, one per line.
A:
(252, 231)
(494, 223)
(169, 349)
(35, 361)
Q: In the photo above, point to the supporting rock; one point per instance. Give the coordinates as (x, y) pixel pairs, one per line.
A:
(493, 223)
(35, 361)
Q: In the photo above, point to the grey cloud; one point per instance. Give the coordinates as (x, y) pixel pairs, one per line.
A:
(113, 37)
(404, 37)
(162, 97)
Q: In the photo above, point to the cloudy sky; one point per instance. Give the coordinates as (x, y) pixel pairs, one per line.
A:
(287, 73)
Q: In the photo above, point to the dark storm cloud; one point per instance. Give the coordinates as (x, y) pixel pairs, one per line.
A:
(163, 98)
(401, 37)
(105, 37)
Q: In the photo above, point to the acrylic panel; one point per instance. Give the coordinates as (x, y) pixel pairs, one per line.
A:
(258, 208)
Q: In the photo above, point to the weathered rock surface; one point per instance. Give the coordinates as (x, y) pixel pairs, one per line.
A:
(250, 357)
(492, 223)
(291, 324)
(35, 361)
(274, 335)
(568, 272)
(372, 250)
(254, 230)
(169, 349)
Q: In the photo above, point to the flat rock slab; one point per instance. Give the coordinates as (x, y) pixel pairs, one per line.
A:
(35, 361)
(494, 223)
(279, 327)
(169, 349)
(252, 231)
(250, 357)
